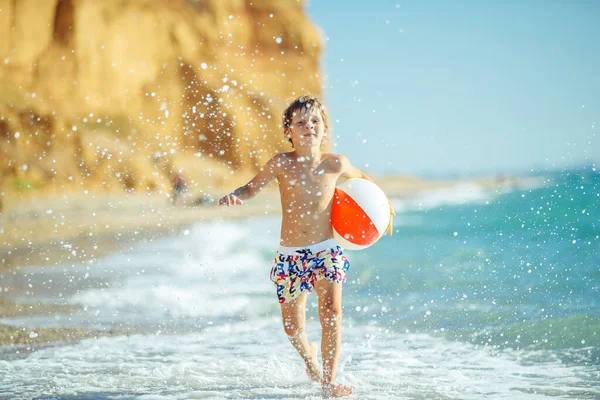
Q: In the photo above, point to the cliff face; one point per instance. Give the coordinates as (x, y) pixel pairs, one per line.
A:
(114, 95)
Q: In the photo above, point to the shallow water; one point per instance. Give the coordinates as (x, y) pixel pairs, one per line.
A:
(476, 296)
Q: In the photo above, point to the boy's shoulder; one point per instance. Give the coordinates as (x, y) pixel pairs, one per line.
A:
(282, 157)
(336, 163)
(334, 158)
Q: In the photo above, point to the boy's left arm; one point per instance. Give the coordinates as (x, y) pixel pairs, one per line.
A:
(349, 171)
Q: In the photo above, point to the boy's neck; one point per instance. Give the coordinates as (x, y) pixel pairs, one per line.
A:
(310, 156)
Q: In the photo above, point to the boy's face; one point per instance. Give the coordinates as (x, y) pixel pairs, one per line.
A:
(307, 128)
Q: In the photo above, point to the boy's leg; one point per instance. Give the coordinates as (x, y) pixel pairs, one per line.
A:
(293, 315)
(330, 314)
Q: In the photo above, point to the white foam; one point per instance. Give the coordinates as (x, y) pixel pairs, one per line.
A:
(253, 359)
(215, 270)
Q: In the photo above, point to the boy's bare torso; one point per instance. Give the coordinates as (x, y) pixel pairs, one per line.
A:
(306, 188)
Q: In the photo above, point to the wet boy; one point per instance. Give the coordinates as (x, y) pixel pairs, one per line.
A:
(308, 256)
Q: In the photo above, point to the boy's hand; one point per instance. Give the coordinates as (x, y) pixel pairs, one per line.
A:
(390, 227)
(230, 200)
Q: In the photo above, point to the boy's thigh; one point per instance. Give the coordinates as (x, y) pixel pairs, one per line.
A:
(329, 293)
(294, 310)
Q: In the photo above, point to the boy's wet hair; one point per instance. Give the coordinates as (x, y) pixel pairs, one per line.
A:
(306, 101)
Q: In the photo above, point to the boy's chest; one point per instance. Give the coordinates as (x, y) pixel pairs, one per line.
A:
(309, 180)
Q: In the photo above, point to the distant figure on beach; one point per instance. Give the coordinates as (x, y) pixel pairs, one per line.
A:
(308, 258)
(176, 177)
(180, 187)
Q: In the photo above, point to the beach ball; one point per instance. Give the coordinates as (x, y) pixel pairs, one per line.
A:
(360, 213)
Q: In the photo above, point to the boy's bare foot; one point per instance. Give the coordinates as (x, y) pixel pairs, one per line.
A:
(313, 371)
(333, 390)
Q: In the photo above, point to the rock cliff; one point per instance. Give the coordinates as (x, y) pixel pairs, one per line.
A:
(106, 96)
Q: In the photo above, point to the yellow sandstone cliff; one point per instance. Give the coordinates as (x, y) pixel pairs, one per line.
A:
(113, 95)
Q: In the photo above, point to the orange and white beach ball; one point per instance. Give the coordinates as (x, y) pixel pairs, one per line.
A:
(360, 213)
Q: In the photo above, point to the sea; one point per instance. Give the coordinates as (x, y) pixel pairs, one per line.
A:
(483, 292)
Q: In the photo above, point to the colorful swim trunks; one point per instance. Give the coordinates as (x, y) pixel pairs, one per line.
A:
(296, 269)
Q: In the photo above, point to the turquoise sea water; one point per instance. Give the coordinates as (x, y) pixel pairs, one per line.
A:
(482, 292)
(516, 269)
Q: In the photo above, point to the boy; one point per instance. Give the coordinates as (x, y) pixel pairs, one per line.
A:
(308, 256)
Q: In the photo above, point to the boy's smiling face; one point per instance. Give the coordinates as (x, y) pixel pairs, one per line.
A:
(307, 127)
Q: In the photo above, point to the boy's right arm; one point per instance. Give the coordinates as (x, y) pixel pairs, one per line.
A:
(266, 174)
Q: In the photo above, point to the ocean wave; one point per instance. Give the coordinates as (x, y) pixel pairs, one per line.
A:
(213, 270)
(465, 193)
(462, 193)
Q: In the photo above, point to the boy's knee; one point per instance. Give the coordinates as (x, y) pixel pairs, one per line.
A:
(293, 330)
(329, 305)
(330, 313)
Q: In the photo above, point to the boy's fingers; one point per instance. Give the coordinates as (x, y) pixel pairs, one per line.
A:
(230, 200)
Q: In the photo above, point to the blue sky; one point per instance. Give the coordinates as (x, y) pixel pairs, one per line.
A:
(462, 87)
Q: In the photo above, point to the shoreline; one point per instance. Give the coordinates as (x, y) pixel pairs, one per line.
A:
(75, 228)
(79, 228)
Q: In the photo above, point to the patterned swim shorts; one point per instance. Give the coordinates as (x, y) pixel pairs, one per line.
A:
(296, 269)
